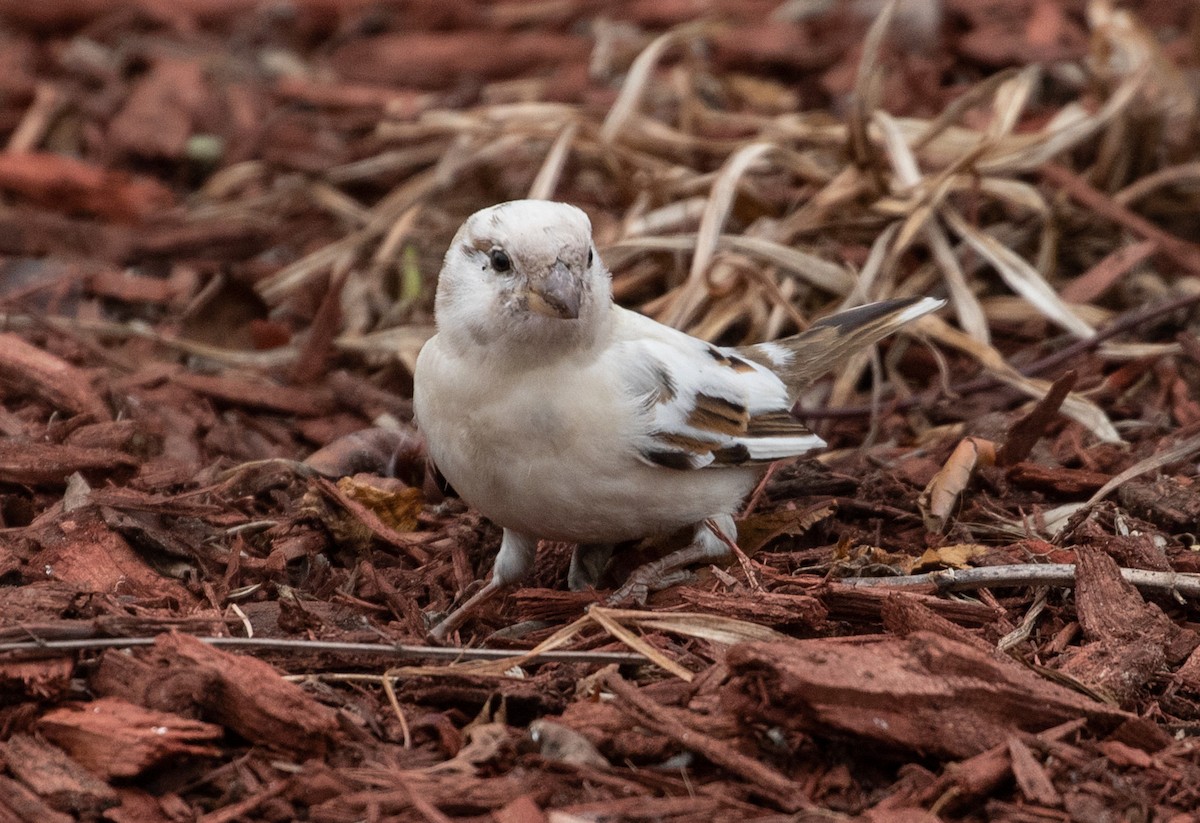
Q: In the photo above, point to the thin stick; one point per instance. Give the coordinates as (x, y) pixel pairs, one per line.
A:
(789, 794)
(737, 552)
(47, 103)
(1021, 633)
(1180, 451)
(1126, 322)
(332, 647)
(1184, 254)
(759, 489)
(390, 690)
(1024, 574)
(241, 809)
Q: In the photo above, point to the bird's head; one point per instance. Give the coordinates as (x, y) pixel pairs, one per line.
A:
(525, 271)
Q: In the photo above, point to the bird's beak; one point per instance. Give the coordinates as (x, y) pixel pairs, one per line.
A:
(556, 293)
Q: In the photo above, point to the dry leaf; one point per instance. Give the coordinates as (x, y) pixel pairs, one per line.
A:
(938, 499)
(758, 530)
(394, 503)
(957, 556)
(869, 561)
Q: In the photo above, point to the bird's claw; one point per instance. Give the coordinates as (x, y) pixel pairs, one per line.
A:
(634, 589)
(647, 579)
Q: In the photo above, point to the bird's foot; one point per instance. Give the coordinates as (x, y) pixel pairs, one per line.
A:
(634, 589)
(658, 575)
(672, 569)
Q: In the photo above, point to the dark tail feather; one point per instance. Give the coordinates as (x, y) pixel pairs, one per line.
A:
(801, 359)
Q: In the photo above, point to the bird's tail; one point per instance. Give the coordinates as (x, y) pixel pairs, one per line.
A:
(801, 359)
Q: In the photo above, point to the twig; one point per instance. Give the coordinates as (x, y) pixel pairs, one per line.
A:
(390, 690)
(1024, 574)
(1129, 321)
(1021, 633)
(1125, 322)
(372, 521)
(736, 551)
(242, 808)
(647, 712)
(332, 647)
(421, 804)
(47, 102)
(626, 635)
(1184, 254)
(759, 489)
(1180, 451)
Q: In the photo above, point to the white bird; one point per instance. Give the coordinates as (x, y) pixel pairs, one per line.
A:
(562, 416)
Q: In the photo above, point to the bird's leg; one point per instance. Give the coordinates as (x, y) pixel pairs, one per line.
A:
(706, 546)
(587, 564)
(513, 562)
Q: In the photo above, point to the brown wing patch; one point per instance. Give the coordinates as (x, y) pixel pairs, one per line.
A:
(775, 424)
(730, 361)
(718, 415)
(662, 391)
(740, 366)
(666, 386)
(679, 451)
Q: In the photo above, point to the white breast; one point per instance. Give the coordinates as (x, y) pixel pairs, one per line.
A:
(548, 452)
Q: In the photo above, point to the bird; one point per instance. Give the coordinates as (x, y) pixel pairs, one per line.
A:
(560, 415)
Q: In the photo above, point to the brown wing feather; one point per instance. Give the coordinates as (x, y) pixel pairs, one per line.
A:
(718, 415)
(680, 451)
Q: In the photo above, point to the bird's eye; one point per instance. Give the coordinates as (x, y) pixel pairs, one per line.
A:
(591, 256)
(500, 260)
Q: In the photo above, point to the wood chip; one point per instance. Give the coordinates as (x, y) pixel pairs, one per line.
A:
(900, 693)
(115, 738)
(1031, 775)
(56, 778)
(26, 368)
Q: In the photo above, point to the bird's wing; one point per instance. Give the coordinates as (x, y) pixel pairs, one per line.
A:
(702, 406)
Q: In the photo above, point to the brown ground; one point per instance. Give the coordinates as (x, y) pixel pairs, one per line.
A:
(220, 224)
